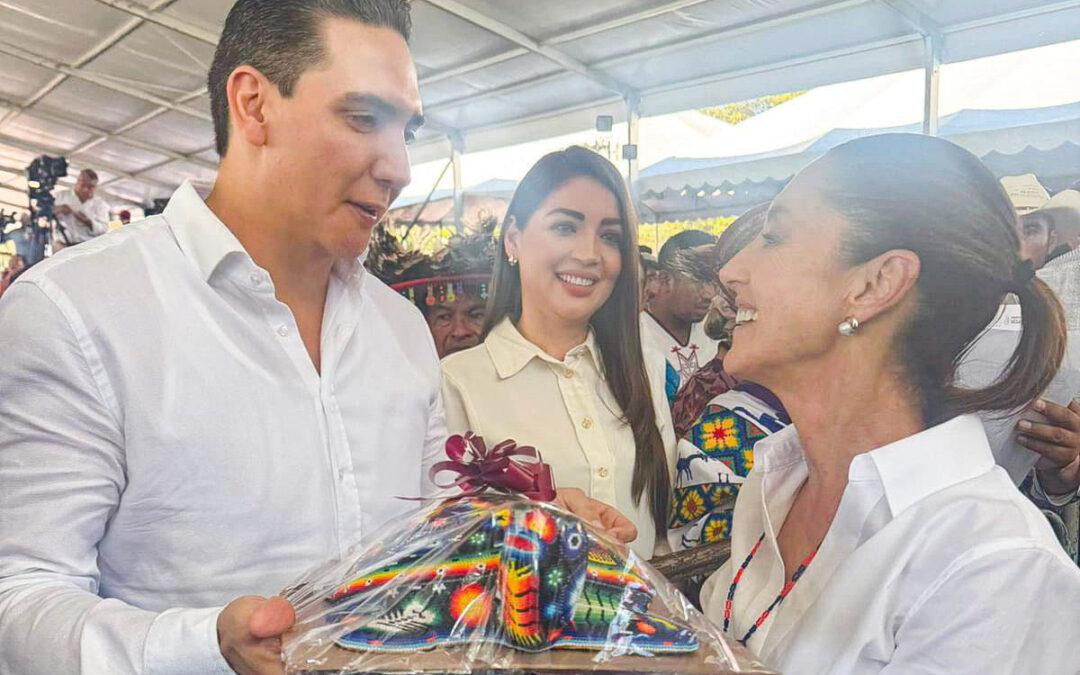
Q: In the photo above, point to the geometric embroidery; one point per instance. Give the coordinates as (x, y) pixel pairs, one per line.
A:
(730, 438)
(710, 474)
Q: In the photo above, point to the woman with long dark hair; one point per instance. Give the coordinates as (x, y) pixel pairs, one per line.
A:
(876, 534)
(561, 366)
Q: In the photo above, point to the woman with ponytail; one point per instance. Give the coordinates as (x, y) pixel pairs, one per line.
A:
(875, 534)
(561, 366)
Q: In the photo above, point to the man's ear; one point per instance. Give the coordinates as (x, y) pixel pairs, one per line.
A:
(247, 92)
(513, 238)
(883, 283)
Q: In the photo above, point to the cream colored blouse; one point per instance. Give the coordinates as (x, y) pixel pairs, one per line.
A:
(508, 387)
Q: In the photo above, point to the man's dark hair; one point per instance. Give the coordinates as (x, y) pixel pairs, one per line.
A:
(683, 240)
(89, 173)
(282, 39)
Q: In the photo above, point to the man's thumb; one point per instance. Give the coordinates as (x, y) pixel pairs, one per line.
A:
(271, 618)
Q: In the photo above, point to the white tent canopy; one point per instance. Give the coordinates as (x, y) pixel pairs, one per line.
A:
(1005, 105)
(119, 85)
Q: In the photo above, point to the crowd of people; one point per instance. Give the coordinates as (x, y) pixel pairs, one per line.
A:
(79, 215)
(849, 385)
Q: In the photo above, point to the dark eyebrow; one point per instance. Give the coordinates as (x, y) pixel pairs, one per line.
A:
(381, 105)
(611, 221)
(577, 215)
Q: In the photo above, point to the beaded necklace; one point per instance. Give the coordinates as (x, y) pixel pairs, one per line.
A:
(775, 603)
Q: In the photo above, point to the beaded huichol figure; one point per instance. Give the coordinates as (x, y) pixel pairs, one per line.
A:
(499, 570)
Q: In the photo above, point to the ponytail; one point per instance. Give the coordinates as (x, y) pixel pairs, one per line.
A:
(1034, 362)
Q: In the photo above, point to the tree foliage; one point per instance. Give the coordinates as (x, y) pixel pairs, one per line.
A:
(740, 112)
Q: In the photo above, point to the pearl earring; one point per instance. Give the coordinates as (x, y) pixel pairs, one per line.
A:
(511, 260)
(848, 327)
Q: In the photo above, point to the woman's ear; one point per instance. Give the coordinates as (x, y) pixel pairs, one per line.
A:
(883, 283)
(513, 238)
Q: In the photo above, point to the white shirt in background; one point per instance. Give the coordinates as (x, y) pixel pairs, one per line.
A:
(96, 209)
(683, 360)
(166, 444)
(508, 388)
(934, 563)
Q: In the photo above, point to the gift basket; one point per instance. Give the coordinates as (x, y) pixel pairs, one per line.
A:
(488, 582)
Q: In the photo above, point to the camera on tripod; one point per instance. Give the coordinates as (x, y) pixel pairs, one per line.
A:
(42, 175)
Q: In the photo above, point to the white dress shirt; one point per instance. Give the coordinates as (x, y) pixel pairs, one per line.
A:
(508, 387)
(166, 444)
(96, 209)
(683, 360)
(934, 563)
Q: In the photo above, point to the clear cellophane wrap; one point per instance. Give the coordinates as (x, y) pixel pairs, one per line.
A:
(498, 583)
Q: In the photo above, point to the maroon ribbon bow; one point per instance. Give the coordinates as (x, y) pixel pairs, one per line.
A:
(505, 468)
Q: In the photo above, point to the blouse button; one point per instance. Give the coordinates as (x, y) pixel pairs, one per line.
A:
(602, 472)
(568, 373)
(586, 423)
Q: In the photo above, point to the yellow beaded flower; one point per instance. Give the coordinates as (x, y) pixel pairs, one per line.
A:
(693, 506)
(720, 434)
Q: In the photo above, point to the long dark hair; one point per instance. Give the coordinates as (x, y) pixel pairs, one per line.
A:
(931, 197)
(615, 325)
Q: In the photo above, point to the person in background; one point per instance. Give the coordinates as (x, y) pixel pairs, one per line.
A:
(649, 279)
(1040, 446)
(80, 214)
(16, 266)
(561, 366)
(450, 287)
(671, 323)
(876, 534)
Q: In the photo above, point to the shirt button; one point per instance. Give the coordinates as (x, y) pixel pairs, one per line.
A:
(283, 330)
(587, 423)
(568, 373)
(255, 278)
(603, 472)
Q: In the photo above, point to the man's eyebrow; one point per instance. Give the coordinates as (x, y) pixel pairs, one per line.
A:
(567, 212)
(381, 106)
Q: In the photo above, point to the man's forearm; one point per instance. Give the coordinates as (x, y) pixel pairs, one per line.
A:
(52, 627)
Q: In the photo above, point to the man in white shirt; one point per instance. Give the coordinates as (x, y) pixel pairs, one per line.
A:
(252, 402)
(81, 215)
(671, 325)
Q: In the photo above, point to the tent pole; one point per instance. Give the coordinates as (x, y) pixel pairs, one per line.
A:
(933, 83)
(457, 146)
(630, 151)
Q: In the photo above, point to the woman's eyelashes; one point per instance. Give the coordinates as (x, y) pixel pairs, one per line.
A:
(770, 239)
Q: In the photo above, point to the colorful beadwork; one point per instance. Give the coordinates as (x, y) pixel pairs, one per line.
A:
(519, 574)
(730, 600)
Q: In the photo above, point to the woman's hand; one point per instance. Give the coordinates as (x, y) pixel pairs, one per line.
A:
(1058, 443)
(598, 514)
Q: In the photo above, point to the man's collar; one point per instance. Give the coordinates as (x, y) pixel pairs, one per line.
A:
(511, 352)
(207, 242)
(909, 469)
(202, 236)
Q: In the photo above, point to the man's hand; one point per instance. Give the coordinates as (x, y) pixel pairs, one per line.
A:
(1058, 443)
(249, 634)
(62, 210)
(598, 514)
(83, 218)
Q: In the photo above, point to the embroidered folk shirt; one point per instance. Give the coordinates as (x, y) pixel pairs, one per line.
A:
(508, 387)
(683, 360)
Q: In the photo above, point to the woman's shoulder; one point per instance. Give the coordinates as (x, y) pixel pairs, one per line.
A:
(471, 363)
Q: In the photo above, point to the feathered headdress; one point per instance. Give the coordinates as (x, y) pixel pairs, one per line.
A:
(465, 263)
